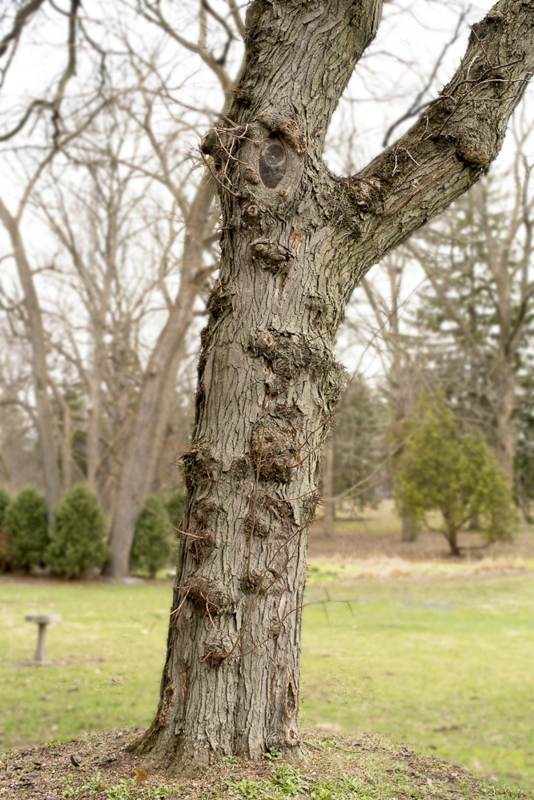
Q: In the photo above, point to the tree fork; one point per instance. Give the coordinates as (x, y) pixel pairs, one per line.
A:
(295, 242)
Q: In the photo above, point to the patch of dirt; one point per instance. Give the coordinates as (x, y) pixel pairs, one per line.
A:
(427, 547)
(91, 766)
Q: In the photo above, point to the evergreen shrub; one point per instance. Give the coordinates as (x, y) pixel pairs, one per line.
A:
(26, 523)
(151, 548)
(4, 537)
(78, 541)
(445, 469)
(5, 500)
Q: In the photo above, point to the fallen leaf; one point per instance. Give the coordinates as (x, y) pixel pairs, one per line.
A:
(140, 775)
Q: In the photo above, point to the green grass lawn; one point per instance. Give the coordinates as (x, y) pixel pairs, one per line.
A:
(446, 666)
(112, 642)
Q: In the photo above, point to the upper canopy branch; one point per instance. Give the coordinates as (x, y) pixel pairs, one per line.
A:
(453, 142)
(291, 67)
(21, 18)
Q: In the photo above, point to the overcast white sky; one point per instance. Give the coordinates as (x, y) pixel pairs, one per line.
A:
(394, 70)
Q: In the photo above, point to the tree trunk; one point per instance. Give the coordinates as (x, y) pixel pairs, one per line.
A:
(66, 438)
(328, 501)
(400, 377)
(451, 535)
(409, 530)
(295, 242)
(45, 416)
(509, 338)
(149, 425)
(152, 412)
(95, 397)
(504, 412)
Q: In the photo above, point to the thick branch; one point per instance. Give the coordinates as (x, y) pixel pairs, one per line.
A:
(454, 141)
(21, 18)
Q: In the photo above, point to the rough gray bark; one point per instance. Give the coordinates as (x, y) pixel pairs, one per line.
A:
(295, 242)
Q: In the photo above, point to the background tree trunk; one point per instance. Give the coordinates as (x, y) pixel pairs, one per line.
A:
(45, 416)
(409, 531)
(152, 412)
(328, 501)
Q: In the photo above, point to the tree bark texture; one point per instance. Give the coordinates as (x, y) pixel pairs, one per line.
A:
(295, 241)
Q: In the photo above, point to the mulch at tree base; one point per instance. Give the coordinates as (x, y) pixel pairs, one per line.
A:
(91, 766)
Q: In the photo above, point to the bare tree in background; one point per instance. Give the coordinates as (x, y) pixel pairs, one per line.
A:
(141, 84)
(477, 311)
(136, 103)
(392, 343)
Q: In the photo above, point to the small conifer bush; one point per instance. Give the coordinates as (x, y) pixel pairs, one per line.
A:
(78, 541)
(443, 468)
(152, 545)
(26, 522)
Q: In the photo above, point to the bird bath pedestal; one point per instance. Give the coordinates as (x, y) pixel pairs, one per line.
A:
(42, 620)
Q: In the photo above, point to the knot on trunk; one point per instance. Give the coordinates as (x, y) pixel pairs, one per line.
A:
(472, 149)
(271, 256)
(219, 649)
(200, 538)
(491, 22)
(274, 449)
(215, 657)
(251, 175)
(309, 503)
(199, 466)
(366, 192)
(240, 469)
(251, 216)
(292, 737)
(199, 545)
(270, 517)
(256, 582)
(244, 96)
(322, 310)
(205, 596)
(255, 526)
(288, 355)
(222, 143)
(330, 388)
(278, 122)
(220, 301)
(202, 514)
